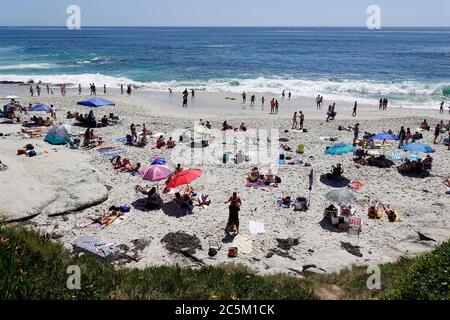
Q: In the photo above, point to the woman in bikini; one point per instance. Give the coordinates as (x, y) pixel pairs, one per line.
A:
(170, 143)
(254, 175)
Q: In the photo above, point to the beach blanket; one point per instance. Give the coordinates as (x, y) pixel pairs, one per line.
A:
(243, 243)
(256, 227)
(123, 139)
(118, 221)
(111, 152)
(96, 247)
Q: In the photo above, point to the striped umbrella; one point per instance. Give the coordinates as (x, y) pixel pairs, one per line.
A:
(156, 173)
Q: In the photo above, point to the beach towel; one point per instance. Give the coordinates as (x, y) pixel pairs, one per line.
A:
(96, 247)
(256, 227)
(112, 152)
(243, 243)
(123, 139)
(355, 186)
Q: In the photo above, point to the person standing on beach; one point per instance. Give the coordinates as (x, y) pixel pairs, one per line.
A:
(233, 216)
(355, 134)
(244, 97)
(94, 89)
(441, 109)
(283, 94)
(104, 89)
(380, 105)
(31, 91)
(79, 89)
(401, 136)
(302, 119)
(185, 100)
(48, 90)
(272, 106)
(133, 132)
(121, 89)
(52, 112)
(252, 101)
(38, 90)
(192, 94)
(170, 90)
(318, 102)
(262, 103)
(294, 121)
(355, 108)
(129, 90)
(276, 106)
(289, 95)
(437, 132)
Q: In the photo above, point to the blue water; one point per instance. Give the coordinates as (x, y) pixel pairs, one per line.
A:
(412, 65)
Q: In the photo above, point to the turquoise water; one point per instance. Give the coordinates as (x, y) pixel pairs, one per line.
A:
(403, 64)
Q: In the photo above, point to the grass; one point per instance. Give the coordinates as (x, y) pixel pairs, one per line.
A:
(32, 266)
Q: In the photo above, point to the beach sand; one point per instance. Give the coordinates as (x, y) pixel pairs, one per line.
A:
(422, 203)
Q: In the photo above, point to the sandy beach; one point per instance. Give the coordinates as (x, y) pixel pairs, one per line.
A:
(421, 202)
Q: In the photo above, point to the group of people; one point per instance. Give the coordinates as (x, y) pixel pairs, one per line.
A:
(375, 211)
(383, 104)
(124, 165)
(268, 179)
(298, 120)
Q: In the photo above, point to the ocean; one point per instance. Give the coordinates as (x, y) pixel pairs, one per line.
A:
(410, 66)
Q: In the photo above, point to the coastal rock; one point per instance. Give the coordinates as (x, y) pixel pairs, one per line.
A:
(54, 182)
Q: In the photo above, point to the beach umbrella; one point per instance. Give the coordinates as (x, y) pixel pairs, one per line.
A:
(184, 177)
(418, 147)
(11, 97)
(156, 173)
(159, 160)
(385, 136)
(40, 108)
(340, 149)
(96, 103)
(341, 196)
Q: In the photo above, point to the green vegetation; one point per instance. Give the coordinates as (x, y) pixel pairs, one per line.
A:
(34, 267)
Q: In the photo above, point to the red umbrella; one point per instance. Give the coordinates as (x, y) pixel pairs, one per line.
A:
(184, 177)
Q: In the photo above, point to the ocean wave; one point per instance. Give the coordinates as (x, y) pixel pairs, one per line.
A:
(99, 60)
(28, 66)
(9, 49)
(406, 93)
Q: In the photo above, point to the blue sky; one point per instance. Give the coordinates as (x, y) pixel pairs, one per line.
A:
(225, 12)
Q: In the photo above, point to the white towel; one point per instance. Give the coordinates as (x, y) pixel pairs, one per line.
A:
(256, 227)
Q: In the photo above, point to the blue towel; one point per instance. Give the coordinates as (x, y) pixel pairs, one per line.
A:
(124, 139)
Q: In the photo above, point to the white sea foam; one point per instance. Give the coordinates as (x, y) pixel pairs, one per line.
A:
(28, 66)
(406, 93)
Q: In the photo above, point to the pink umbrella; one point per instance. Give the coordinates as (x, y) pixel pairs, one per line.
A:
(156, 173)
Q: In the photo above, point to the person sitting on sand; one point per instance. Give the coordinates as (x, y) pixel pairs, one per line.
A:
(170, 143)
(69, 115)
(269, 178)
(391, 214)
(127, 167)
(48, 122)
(153, 200)
(243, 127)
(286, 200)
(226, 126)
(427, 163)
(373, 211)
(160, 143)
(178, 169)
(253, 176)
(346, 211)
(117, 162)
(87, 138)
(188, 190)
(336, 172)
(424, 125)
(145, 131)
(104, 121)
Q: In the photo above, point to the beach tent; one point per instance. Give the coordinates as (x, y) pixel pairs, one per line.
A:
(96, 103)
(40, 107)
(57, 135)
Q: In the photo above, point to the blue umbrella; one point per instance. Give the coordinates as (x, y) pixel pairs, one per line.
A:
(385, 136)
(40, 107)
(96, 102)
(159, 160)
(418, 147)
(339, 149)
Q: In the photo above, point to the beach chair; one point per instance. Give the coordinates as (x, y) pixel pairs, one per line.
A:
(355, 225)
(96, 247)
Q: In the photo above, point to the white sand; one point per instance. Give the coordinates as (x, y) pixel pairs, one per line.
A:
(421, 202)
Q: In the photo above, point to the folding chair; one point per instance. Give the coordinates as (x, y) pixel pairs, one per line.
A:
(355, 225)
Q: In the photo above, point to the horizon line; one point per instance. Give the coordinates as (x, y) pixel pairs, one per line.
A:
(220, 26)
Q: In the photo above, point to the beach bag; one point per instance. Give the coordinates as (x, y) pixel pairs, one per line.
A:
(233, 252)
(21, 152)
(301, 149)
(31, 153)
(125, 208)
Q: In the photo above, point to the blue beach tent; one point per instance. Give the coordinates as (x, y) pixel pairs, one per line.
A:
(57, 135)
(96, 103)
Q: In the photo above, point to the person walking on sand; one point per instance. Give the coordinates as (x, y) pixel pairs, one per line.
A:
(294, 121)
(233, 216)
(262, 103)
(79, 89)
(38, 90)
(48, 90)
(380, 105)
(244, 97)
(276, 106)
(272, 106)
(302, 119)
(441, 109)
(401, 136)
(252, 101)
(283, 94)
(289, 95)
(318, 102)
(129, 90)
(121, 89)
(104, 89)
(31, 91)
(355, 108)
